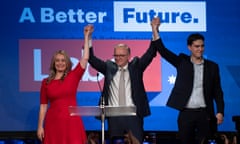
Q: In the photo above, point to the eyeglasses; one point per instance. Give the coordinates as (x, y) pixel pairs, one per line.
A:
(120, 55)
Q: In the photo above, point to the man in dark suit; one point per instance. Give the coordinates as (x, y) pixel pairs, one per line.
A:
(135, 94)
(196, 88)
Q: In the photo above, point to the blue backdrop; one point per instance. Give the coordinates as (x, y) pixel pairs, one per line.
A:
(26, 19)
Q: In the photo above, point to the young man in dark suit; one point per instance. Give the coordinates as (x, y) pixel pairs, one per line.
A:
(196, 88)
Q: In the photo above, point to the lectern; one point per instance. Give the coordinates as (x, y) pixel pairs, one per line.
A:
(102, 111)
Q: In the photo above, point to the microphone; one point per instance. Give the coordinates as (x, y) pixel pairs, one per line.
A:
(100, 88)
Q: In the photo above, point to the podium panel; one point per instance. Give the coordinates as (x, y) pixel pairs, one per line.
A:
(108, 111)
(102, 111)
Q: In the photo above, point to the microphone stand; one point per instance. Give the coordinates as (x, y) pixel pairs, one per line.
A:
(102, 107)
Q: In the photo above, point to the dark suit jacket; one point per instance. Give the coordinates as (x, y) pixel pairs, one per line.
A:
(136, 68)
(184, 81)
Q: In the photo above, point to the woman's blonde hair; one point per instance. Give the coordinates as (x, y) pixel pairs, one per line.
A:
(52, 69)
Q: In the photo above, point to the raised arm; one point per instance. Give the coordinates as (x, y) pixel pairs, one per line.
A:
(87, 35)
(170, 56)
(148, 56)
(155, 23)
(94, 61)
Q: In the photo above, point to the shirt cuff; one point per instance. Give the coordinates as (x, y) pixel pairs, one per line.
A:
(90, 43)
(154, 39)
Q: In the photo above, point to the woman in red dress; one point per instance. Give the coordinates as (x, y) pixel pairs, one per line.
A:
(58, 92)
